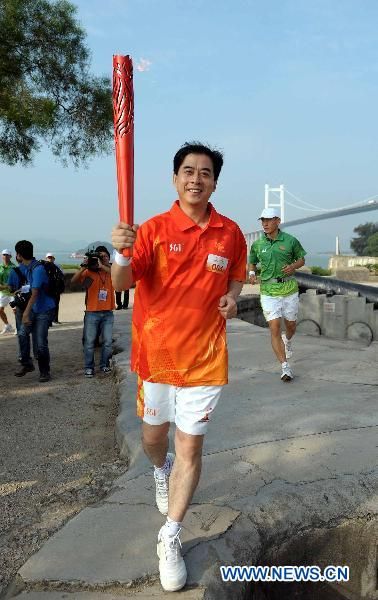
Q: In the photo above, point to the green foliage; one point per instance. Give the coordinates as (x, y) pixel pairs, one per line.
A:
(360, 244)
(67, 267)
(372, 245)
(46, 91)
(320, 271)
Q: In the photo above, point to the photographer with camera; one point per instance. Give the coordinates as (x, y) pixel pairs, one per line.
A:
(37, 314)
(95, 276)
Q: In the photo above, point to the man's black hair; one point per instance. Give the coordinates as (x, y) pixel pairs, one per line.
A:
(25, 249)
(197, 148)
(102, 249)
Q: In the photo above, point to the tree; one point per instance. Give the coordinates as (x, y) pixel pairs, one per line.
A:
(359, 244)
(46, 91)
(372, 245)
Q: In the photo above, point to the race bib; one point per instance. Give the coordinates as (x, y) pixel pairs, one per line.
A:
(216, 264)
(102, 295)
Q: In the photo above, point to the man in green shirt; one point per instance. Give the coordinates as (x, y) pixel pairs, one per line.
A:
(279, 255)
(5, 293)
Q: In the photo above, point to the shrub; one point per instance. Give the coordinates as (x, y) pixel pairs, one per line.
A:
(320, 271)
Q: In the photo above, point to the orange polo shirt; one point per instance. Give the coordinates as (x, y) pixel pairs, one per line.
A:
(95, 282)
(181, 270)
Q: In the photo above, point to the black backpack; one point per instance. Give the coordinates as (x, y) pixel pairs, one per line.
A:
(21, 277)
(56, 285)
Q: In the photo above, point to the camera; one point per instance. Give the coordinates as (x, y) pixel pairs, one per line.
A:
(93, 258)
(20, 300)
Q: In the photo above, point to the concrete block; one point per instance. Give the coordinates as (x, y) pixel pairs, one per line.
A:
(356, 309)
(360, 332)
(352, 274)
(308, 326)
(114, 544)
(333, 320)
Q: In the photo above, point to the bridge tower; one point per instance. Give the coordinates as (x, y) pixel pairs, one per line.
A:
(281, 203)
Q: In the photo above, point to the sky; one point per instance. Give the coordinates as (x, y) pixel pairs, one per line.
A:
(287, 89)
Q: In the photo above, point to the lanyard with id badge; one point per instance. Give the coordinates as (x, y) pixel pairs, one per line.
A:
(102, 293)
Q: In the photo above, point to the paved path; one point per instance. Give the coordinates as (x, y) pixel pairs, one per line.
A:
(279, 460)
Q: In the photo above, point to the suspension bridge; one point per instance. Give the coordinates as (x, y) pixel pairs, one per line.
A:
(280, 200)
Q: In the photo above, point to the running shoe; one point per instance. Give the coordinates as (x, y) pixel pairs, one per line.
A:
(287, 374)
(172, 567)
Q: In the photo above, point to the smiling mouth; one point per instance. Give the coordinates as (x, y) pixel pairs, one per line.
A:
(194, 190)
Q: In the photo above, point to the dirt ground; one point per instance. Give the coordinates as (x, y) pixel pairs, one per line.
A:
(57, 445)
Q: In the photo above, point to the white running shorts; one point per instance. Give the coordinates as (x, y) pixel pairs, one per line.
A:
(189, 407)
(275, 307)
(4, 301)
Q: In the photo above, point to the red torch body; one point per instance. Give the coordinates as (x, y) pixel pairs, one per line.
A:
(123, 110)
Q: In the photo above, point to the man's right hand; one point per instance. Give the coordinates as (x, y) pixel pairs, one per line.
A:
(123, 236)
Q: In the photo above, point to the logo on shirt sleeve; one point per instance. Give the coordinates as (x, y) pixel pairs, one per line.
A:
(216, 264)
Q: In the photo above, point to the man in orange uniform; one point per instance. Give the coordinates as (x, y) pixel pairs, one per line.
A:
(189, 265)
(99, 304)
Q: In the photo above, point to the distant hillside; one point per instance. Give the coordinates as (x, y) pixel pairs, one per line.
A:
(94, 245)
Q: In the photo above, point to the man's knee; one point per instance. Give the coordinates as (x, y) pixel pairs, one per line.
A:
(153, 435)
(188, 447)
(275, 327)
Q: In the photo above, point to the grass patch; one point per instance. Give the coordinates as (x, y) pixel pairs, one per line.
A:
(68, 267)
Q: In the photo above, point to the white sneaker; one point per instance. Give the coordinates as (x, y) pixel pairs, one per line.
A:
(7, 329)
(162, 487)
(288, 346)
(171, 564)
(287, 374)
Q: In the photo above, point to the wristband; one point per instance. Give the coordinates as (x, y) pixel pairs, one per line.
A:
(251, 273)
(121, 260)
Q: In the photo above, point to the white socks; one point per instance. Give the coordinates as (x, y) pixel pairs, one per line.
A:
(171, 528)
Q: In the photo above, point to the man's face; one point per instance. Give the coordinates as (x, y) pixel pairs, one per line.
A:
(6, 259)
(51, 258)
(195, 181)
(270, 225)
(104, 258)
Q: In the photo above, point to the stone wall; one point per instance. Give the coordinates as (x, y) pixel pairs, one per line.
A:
(343, 261)
(342, 317)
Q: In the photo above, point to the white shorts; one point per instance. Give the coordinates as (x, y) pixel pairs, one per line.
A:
(4, 301)
(189, 407)
(275, 307)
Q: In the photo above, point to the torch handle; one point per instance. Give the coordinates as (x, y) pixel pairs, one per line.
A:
(123, 109)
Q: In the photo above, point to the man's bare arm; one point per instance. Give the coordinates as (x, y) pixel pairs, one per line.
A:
(123, 236)
(32, 299)
(290, 269)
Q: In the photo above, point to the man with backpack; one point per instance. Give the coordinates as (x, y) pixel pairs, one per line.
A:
(17, 279)
(50, 258)
(37, 315)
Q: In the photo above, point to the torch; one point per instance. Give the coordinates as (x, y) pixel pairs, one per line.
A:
(123, 111)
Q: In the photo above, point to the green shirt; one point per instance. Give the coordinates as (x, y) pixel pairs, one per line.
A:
(4, 274)
(273, 255)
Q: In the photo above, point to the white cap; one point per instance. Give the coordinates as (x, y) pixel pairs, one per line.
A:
(6, 251)
(269, 213)
(49, 255)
